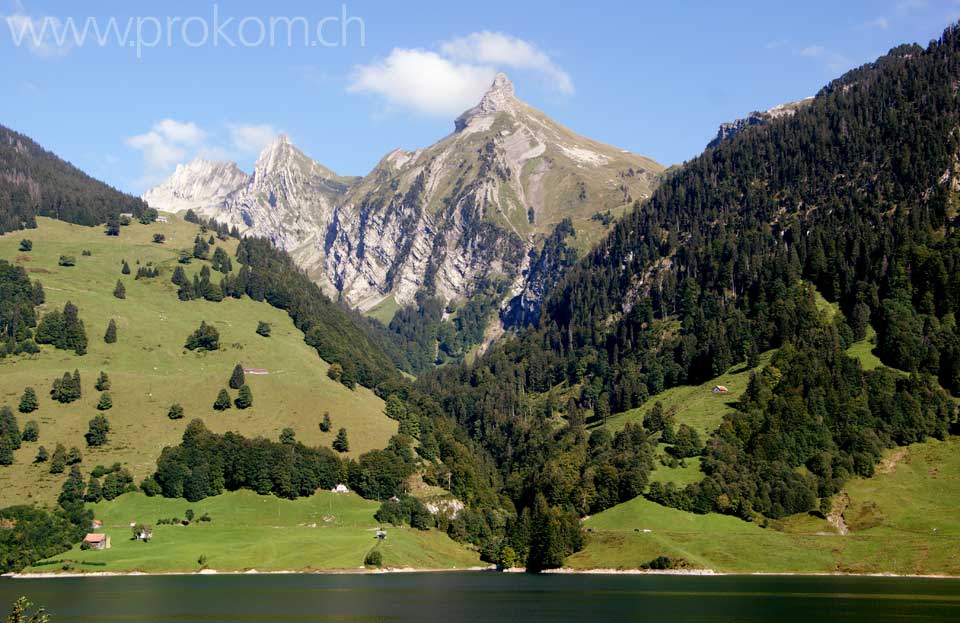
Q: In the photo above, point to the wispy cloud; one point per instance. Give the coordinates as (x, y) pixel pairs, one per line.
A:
(452, 78)
(881, 23)
(505, 51)
(170, 142)
(251, 138)
(166, 143)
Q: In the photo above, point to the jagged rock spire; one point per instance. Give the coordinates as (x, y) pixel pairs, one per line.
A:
(500, 97)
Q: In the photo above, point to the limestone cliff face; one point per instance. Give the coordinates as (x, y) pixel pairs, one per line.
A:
(202, 185)
(449, 218)
(730, 129)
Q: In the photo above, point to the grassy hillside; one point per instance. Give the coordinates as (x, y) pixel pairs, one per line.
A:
(900, 521)
(695, 405)
(150, 369)
(248, 531)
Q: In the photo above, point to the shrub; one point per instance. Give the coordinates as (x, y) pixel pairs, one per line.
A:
(150, 487)
(373, 559)
(67, 260)
(26, 245)
(325, 423)
(204, 338)
(159, 238)
(263, 328)
(175, 412)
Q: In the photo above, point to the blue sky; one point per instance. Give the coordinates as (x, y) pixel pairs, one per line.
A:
(654, 78)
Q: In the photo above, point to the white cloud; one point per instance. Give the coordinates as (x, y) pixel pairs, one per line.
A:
(188, 133)
(813, 51)
(170, 142)
(881, 22)
(506, 51)
(452, 79)
(424, 81)
(166, 143)
(249, 138)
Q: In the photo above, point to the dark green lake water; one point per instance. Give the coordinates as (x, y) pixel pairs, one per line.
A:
(455, 597)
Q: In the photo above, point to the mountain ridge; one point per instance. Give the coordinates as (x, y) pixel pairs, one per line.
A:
(447, 218)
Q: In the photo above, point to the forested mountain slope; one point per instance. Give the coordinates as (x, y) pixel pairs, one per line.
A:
(854, 194)
(35, 182)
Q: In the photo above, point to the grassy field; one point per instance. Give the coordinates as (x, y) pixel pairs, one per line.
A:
(905, 519)
(248, 531)
(385, 310)
(695, 405)
(150, 369)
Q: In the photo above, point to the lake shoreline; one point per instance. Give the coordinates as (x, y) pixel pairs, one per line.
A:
(487, 569)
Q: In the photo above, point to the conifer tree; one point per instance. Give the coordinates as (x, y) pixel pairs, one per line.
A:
(31, 431)
(237, 378)
(126, 268)
(9, 429)
(28, 401)
(94, 491)
(244, 397)
(103, 382)
(39, 296)
(6, 452)
(200, 248)
(42, 455)
(179, 277)
(325, 423)
(120, 291)
(110, 337)
(97, 432)
(223, 401)
(106, 402)
(341, 444)
(74, 456)
(58, 462)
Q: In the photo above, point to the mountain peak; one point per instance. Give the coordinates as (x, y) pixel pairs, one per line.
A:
(500, 97)
(279, 152)
(501, 88)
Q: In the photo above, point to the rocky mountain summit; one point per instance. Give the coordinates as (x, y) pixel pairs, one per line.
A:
(731, 128)
(453, 219)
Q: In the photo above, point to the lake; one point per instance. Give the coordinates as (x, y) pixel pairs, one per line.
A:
(455, 597)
